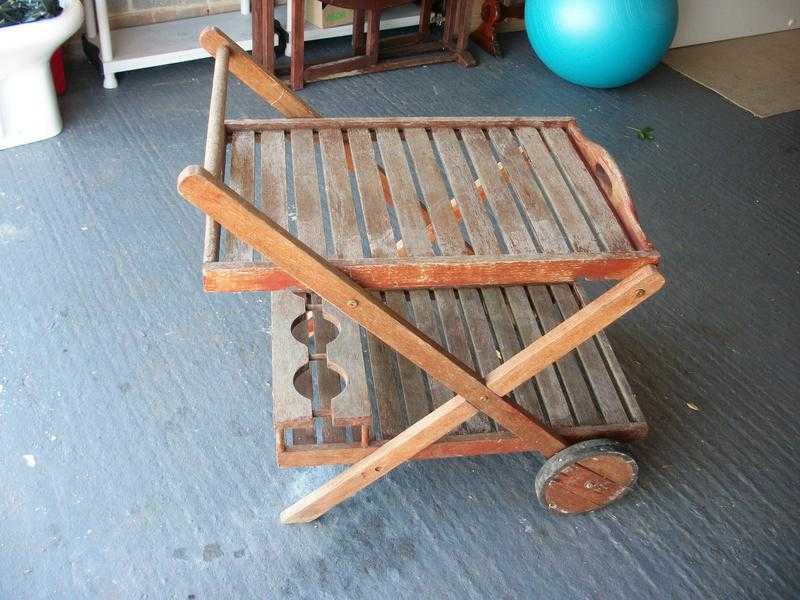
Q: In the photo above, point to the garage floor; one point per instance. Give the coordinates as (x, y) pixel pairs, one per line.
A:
(136, 451)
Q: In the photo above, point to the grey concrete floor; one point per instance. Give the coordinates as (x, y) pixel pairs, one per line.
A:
(136, 452)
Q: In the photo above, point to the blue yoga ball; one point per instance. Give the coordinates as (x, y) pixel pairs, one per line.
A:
(601, 43)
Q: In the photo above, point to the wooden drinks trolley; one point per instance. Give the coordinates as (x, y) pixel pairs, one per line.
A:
(454, 243)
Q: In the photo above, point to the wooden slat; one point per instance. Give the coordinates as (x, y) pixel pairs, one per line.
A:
(551, 392)
(415, 240)
(604, 391)
(351, 406)
(376, 218)
(518, 238)
(515, 234)
(481, 233)
(289, 407)
(393, 122)
(434, 190)
(573, 222)
(242, 181)
(615, 369)
(543, 222)
(450, 242)
(306, 190)
(454, 445)
(435, 271)
(588, 194)
(484, 241)
(392, 415)
(273, 177)
(412, 378)
(346, 237)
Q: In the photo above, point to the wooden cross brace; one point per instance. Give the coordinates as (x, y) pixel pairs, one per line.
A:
(253, 227)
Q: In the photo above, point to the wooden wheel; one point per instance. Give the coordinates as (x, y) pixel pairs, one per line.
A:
(586, 476)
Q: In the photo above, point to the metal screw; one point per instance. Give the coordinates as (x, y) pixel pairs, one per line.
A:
(352, 303)
(640, 293)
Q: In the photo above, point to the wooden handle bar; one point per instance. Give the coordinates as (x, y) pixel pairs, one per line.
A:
(611, 181)
(214, 159)
(263, 83)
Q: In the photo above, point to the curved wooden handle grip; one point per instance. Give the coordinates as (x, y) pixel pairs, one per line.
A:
(265, 84)
(611, 181)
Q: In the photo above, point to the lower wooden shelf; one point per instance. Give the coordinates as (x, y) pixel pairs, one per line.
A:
(584, 395)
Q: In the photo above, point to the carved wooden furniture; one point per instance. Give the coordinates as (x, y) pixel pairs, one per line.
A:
(493, 13)
(370, 53)
(446, 362)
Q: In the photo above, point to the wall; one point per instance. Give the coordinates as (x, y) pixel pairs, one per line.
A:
(711, 20)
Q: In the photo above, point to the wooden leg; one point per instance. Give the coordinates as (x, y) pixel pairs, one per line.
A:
(256, 19)
(373, 34)
(359, 44)
(425, 8)
(493, 12)
(298, 44)
(449, 14)
(268, 39)
(462, 16)
(559, 341)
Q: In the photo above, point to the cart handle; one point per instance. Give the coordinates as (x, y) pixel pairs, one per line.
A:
(263, 83)
(612, 183)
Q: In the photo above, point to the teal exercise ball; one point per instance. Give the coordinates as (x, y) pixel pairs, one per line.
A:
(601, 43)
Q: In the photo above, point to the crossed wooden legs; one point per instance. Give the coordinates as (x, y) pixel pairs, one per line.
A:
(559, 341)
(254, 228)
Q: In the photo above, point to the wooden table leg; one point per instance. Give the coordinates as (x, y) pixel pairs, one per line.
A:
(373, 34)
(359, 43)
(298, 44)
(256, 21)
(425, 8)
(268, 39)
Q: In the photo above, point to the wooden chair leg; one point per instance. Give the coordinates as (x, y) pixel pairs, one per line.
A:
(578, 328)
(359, 42)
(298, 44)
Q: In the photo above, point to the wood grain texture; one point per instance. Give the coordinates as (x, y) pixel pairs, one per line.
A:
(242, 180)
(289, 407)
(265, 84)
(434, 271)
(607, 308)
(251, 225)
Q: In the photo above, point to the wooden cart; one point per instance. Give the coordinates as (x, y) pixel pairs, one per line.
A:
(454, 243)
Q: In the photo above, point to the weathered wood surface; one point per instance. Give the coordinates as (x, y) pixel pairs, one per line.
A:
(573, 331)
(523, 221)
(401, 389)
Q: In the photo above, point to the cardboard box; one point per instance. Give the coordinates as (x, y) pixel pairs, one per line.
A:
(330, 16)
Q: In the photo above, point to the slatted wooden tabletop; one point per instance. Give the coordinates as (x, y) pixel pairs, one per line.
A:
(406, 203)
